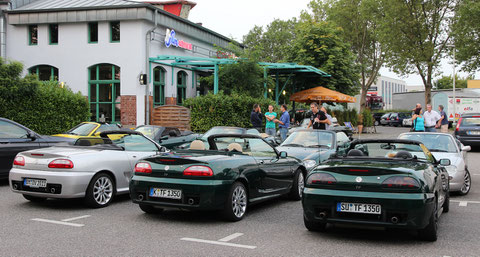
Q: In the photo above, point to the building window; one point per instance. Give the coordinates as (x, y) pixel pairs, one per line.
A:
(115, 31)
(44, 72)
(104, 92)
(53, 34)
(33, 34)
(181, 87)
(93, 32)
(158, 86)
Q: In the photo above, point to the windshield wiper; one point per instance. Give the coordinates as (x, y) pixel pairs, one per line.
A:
(438, 150)
(319, 146)
(297, 145)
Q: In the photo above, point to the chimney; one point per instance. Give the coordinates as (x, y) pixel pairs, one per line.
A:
(180, 8)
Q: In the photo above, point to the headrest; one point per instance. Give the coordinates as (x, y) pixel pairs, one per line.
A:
(355, 152)
(235, 147)
(172, 133)
(403, 155)
(264, 135)
(197, 145)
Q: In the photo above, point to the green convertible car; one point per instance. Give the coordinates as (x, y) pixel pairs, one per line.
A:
(237, 170)
(387, 183)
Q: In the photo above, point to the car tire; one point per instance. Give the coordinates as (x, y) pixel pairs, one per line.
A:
(100, 191)
(314, 225)
(467, 183)
(150, 209)
(429, 233)
(297, 186)
(446, 203)
(236, 203)
(35, 199)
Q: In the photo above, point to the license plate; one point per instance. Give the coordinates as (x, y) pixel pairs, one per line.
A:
(359, 208)
(36, 183)
(476, 133)
(165, 193)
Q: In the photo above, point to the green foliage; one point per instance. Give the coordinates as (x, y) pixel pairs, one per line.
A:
(466, 33)
(346, 115)
(446, 82)
(367, 118)
(41, 106)
(223, 110)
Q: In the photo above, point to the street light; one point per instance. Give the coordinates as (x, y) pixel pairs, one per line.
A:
(454, 98)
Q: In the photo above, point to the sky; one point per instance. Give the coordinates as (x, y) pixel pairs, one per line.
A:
(235, 18)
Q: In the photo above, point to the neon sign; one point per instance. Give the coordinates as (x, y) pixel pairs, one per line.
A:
(171, 40)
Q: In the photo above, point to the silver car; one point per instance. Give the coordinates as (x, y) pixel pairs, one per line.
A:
(445, 146)
(95, 169)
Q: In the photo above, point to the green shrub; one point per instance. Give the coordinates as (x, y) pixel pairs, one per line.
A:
(367, 118)
(223, 110)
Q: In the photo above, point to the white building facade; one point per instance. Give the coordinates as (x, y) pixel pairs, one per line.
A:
(386, 87)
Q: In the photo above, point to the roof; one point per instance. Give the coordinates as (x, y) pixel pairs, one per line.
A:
(50, 5)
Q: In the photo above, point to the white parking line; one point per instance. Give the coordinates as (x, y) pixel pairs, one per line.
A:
(217, 243)
(463, 203)
(59, 222)
(77, 218)
(230, 237)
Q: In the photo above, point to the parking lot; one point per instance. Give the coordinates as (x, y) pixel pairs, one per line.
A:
(275, 228)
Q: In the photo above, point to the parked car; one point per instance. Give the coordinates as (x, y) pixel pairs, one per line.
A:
(313, 146)
(168, 137)
(468, 129)
(95, 169)
(407, 122)
(392, 183)
(334, 127)
(216, 176)
(88, 129)
(396, 118)
(15, 138)
(385, 119)
(445, 146)
(377, 117)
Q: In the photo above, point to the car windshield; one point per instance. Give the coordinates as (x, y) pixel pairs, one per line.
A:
(434, 142)
(390, 150)
(148, 131)
(385, 115)
(470, 121)
(83, 129)
(320, 139)
(221, 130)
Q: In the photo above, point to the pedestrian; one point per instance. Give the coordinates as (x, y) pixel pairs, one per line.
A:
(431, 119)
(329, 118)
(270, 125)
(443, 122)
(318, 118)
(256, 117)
(284, 122)
(418, 121)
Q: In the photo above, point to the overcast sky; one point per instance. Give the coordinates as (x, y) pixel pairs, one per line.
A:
(235, 18)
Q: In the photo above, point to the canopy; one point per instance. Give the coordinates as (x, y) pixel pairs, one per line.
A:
(321, 94)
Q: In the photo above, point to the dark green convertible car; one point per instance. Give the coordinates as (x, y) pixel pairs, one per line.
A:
(387, 183)
(237, 170)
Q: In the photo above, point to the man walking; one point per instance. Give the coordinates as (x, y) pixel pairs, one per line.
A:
(270, 126)
(256, 117)
(443, 122)
(431, 118)
(284, 122)
(318, 118)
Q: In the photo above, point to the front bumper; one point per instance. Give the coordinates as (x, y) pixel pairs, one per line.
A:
(197, 194)
(411, 209)
(65, 184)
(457, 181)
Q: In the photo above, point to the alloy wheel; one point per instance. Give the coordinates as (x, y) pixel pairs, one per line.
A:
(103, 190)
(239, 201)
(466, 183)
(301, 184)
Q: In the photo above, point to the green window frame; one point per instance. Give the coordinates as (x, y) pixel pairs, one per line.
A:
(93, 32)
(104, 78)
(181, 87)
(114, 32)
(158, 86)
(53, 34)
(32, 35)
(45, 72)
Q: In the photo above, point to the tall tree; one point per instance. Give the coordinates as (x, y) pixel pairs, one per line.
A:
(416, 33)
(466, 32)
(446, 82)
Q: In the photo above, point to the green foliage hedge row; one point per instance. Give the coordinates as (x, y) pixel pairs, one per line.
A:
(223, 110)
(352, 116)
(41, 106)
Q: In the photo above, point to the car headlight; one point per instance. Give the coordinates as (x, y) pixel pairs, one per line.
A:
(309, 163)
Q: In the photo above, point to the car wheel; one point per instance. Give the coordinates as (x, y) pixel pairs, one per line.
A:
(314, 225)
(429, 233)
(100, 191)
(236, 204)
(446, 203)
(467, 183)
(297, 187)
(150, 209)
(35, 199)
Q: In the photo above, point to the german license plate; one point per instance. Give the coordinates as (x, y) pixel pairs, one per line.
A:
(36, 183)
(476, 133)
(165, 193)
(359, 208)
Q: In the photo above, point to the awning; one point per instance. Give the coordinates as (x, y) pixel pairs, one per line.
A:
(321, 94)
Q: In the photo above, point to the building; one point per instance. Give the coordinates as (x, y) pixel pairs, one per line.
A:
(103, 49)
(414, 88)
(386, 87)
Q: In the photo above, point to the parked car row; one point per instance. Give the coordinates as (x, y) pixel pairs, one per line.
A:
(396, 119)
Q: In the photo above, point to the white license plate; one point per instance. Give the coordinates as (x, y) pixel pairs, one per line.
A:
(165, 193)
(359, 208)
(476, 133)
(37, 183)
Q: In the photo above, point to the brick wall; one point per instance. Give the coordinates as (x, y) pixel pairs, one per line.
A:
(128, 110)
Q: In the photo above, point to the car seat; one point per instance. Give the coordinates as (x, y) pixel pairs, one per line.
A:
(197, 145)
(234, 147)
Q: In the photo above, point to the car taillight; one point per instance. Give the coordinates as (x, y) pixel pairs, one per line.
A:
(143, 167)
(19, 160)
(458, 124)
(388, 118)
(401, 182)
(61, 164)
(197, 170)
(321, 178)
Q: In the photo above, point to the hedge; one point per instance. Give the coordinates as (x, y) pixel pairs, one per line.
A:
(223, 110)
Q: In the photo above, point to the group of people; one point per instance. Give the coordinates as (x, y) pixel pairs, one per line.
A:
(318, 120)
(430, 120)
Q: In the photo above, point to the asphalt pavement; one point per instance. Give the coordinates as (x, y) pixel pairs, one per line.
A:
(275, 228)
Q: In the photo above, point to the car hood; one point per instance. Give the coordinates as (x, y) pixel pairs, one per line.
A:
(303, 152)
(454, 158)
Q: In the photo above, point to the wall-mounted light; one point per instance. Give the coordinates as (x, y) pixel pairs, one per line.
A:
(143, 79)
(269, 90)
(284, 92)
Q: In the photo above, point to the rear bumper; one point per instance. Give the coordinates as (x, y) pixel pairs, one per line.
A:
(412, 210)
(469, 140)
(196, 194)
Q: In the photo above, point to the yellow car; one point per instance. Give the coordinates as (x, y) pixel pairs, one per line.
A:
(88, 129)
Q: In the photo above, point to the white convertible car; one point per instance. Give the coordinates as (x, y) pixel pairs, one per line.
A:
(96, 169)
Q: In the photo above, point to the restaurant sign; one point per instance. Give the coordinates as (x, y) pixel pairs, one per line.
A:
(171, 40)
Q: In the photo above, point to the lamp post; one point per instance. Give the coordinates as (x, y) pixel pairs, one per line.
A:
(454, 98)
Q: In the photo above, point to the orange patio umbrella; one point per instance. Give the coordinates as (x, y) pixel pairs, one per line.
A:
(321, 94)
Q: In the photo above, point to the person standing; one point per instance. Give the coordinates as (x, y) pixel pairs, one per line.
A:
(284, 122)
(270, 125)
(431, 118)
(418, 122)
(329, 118)
(256, 117)
(318, 118)
(443, 122)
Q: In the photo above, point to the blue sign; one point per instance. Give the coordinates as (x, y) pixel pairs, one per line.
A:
(170, 40)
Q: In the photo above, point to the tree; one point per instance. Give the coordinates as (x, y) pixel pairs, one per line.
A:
(416, 34)
(466, 33)
(446, 82)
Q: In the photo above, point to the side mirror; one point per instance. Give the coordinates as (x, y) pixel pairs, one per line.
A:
(31, 135)
(444, 162)
(283, 154)
(466, 148)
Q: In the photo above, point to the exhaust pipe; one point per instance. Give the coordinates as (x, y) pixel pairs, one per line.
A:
(394, 219)
(52, 190)
(140, 197)
(15, 186)
(191, 201)
(323, 215)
